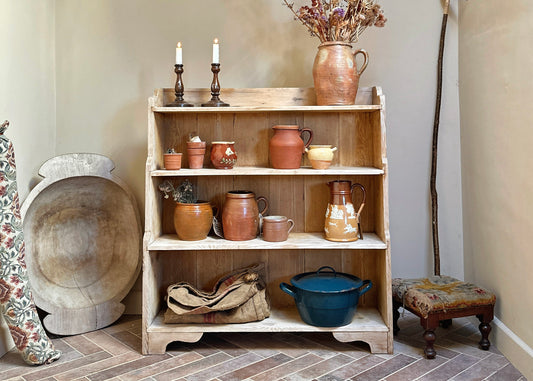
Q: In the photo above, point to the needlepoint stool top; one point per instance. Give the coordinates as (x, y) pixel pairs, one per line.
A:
(439, 293)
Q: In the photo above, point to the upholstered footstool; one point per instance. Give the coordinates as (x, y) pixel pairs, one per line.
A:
(438, 299)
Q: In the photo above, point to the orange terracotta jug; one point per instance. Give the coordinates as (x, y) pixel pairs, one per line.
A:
(287, 146)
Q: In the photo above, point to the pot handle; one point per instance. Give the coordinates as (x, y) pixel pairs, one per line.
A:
(365, 62)
(367, 285)
(306, 145)
(364, 197)
(288, 289)
(327, 267)
(264, 199)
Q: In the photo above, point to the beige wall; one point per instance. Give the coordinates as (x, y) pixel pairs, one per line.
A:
(27, 92)
(496, 67)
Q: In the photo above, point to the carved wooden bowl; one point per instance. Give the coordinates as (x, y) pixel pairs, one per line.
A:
(83, 237)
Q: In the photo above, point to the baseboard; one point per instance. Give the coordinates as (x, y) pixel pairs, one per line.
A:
(511, 346)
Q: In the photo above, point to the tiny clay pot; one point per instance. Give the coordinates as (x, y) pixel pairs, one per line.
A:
(172, 161)
(196, 154)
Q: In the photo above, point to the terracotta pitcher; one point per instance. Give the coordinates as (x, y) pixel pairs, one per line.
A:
(287, 146)
(335, 73)
(240, 215)
(342, 222)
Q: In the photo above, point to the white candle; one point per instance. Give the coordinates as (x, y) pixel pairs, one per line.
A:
(216, 51)
(179, 54)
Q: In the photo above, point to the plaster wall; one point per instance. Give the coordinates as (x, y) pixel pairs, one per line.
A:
(496, 67)
(27, 92)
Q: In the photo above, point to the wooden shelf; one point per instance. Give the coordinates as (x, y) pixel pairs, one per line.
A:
(280, 320)
(236, 109)
(296, 241)
(263, 171)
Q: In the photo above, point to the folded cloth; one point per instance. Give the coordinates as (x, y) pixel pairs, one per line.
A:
(237, 297)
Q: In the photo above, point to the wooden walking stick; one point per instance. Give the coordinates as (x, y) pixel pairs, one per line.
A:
(433, 181)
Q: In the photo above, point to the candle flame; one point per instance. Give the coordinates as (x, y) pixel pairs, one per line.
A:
(179, 45)
(215, 41)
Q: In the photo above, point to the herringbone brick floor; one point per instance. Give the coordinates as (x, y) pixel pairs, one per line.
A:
(114, 354)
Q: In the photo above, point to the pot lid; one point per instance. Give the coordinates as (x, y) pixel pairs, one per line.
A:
(326, 281)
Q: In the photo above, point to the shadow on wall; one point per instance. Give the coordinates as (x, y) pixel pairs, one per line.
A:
(267, 56)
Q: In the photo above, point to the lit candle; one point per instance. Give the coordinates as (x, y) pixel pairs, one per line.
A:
(179, 54)
(216, 51)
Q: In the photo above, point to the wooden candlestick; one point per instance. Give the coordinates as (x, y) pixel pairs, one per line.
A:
(215, 89)
(179, 102)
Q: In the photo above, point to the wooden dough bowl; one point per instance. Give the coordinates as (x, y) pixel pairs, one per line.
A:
(83, 243)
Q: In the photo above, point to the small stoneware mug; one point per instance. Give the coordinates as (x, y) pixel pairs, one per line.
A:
(277, 228)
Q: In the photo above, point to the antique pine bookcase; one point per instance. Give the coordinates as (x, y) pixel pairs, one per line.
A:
(357, 131)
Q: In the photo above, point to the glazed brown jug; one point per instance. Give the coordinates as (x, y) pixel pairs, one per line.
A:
(335, 73)
(193, 221)
(240, 215)
(342, 221)
(286, 147)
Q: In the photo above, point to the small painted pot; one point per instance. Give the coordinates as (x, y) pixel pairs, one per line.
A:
(223, 155)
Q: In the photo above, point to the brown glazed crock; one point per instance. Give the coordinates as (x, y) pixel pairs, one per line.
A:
(240, 215)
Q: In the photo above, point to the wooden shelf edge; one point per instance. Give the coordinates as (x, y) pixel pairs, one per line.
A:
(264, 171)
(170, 242)
(233, 109)
(280, 320)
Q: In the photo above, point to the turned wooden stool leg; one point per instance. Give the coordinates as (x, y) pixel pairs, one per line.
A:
(484, 328)
(429, 336)
(395, 316)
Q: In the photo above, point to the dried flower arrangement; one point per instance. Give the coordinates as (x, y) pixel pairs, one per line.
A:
(339, 20)
(184, 193)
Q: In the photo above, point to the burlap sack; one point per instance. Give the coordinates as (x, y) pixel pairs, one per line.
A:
(236, 298)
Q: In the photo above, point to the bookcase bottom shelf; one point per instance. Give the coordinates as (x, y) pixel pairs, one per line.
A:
(367, 325)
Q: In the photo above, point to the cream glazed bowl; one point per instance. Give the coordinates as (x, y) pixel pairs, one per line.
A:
(320, 155)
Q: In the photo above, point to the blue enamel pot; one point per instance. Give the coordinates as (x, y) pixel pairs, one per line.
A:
(326, 298)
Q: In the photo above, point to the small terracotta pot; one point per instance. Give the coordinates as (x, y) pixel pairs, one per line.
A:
(172, 161)
(286, 147)
(240, 215)
(196, 154)
(223, 155)
(193, 221)
(277, 228)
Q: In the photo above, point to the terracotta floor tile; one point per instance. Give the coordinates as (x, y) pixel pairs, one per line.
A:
(193, 367)
(416, 369)
(127, 367)
(160, 367)
(128, 338)
(225, 367)
(450, 369)
(98, 366)
(507, 373)
(354, 368)
(255, 368)
(289, 367)
(61, 366)
(385, 368)
(108, 342)
(321, 368)
(82, 345)
(482, 369)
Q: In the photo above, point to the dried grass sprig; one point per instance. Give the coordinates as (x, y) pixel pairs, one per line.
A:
(339, 20)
